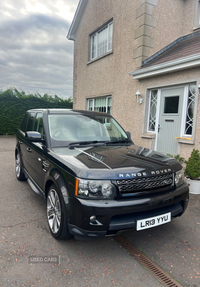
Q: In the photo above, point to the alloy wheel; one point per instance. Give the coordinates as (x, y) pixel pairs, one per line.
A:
(17, 166)
(53, 211)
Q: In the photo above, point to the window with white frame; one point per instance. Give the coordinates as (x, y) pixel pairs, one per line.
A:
(102, 104)
(101, 41)
(152, 110)
(191, 94)
(197, 14)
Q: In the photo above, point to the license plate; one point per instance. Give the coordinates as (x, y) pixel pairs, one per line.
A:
(153, 221)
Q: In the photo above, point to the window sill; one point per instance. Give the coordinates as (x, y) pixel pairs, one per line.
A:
(98, 58)
(148, 135)
(185, 140)
(196, 28)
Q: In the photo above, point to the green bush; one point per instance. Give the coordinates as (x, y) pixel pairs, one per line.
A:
(193, 165)
(13, 105)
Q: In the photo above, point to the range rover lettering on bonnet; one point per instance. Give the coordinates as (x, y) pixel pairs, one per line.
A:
(139, 174)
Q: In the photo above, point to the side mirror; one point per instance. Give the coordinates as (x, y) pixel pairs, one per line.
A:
(128, 134)
(34, 137)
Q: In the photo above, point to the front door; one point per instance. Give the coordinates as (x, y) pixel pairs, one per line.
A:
(170, 119)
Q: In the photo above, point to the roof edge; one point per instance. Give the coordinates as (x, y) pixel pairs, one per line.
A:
(76, 20)
(168, 67)
(180, 39)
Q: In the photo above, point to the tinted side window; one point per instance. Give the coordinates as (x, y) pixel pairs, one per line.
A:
(38, 125)
(23, 123)
(31, 117)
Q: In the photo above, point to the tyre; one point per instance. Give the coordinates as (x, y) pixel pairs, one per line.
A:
(56, 216)
(18, 168)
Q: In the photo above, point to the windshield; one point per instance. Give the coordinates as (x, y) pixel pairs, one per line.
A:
(65, 129)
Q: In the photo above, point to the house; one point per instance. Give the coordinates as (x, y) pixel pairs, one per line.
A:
(140, 61)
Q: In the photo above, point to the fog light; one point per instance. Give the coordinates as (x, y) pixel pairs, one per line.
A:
(93, 219)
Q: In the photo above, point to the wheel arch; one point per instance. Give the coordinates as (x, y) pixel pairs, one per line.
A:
(63, 230)
(16, 152)
(56, 177)
(19, 166)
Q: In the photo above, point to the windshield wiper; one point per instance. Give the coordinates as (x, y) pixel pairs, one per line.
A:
(83, 143)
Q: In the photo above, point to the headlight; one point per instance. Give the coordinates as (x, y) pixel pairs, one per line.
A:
(95, 188)
(179, 177)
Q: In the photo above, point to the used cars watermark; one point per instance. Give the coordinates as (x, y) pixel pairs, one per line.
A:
(44, 259)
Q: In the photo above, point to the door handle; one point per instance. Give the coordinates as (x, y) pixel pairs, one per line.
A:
(29, 149)
(158, 128)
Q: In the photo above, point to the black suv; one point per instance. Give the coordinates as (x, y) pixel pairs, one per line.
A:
(95, 181)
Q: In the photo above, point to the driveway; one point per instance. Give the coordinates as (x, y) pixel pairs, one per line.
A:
(30, 256)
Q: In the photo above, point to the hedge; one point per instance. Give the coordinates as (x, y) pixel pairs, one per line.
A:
(13, 105)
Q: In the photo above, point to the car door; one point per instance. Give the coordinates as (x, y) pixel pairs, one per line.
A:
(35, 154)
(25, 148)
(21, 138)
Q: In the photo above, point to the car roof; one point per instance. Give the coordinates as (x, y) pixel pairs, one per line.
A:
(70, 111)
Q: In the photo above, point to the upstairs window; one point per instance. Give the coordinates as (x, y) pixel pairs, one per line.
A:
(101, 41)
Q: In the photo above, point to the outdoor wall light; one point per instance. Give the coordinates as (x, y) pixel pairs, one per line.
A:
(139, 98)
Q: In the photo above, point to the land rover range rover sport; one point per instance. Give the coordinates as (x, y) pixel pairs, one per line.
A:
(95, 181)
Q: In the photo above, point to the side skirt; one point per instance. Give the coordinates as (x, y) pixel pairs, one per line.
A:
(33, 185)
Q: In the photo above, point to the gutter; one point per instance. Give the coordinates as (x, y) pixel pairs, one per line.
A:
(169, 67)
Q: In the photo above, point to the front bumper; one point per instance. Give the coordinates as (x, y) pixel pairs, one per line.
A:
(113, 216)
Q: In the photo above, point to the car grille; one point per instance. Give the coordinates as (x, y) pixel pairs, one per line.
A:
(144, 183)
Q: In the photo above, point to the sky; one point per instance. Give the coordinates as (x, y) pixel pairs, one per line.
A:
(35, 55)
